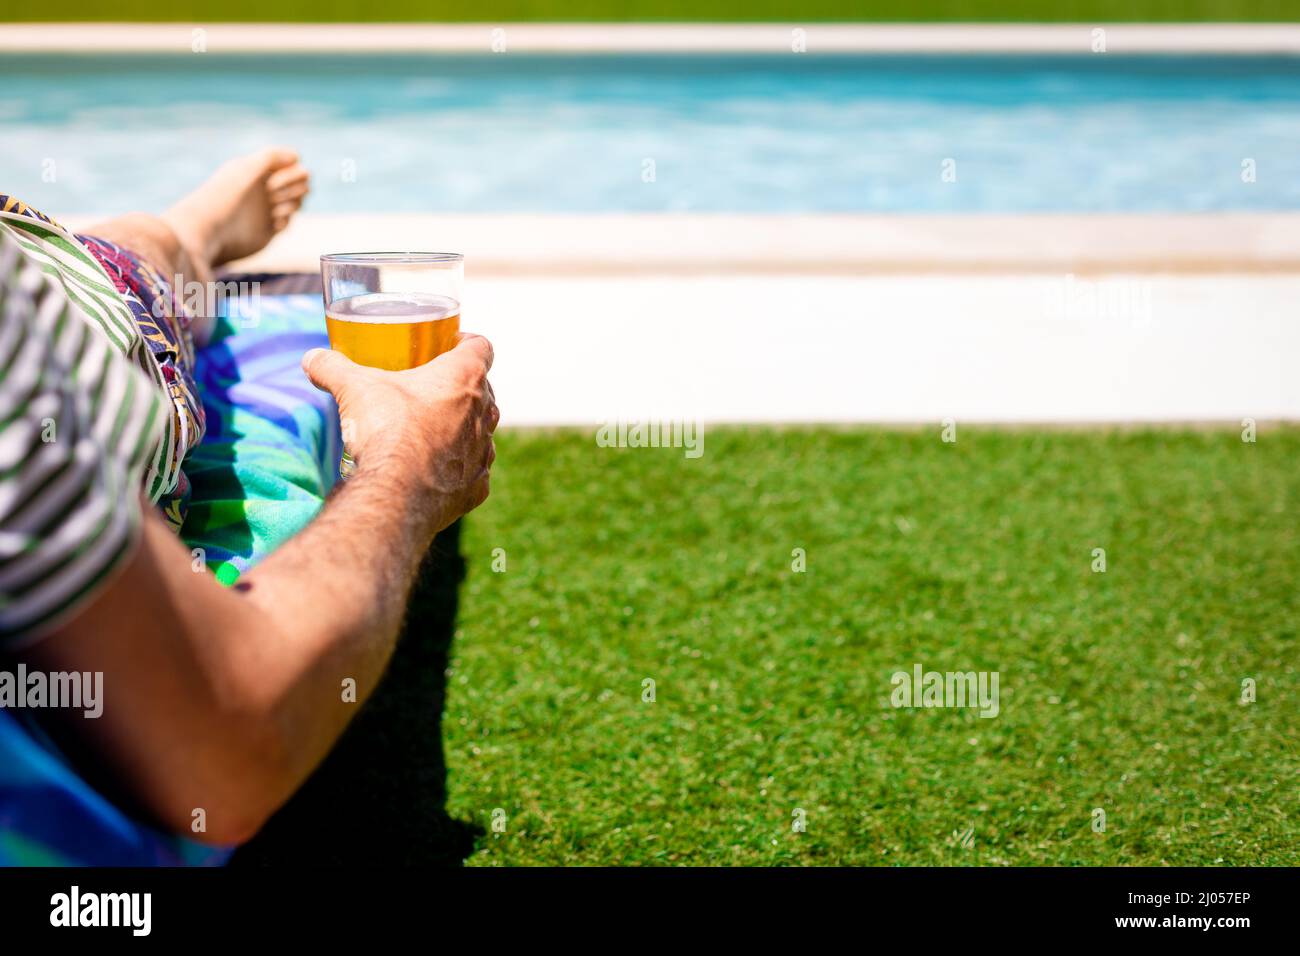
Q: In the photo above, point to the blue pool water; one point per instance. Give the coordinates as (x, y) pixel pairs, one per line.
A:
(792, 133)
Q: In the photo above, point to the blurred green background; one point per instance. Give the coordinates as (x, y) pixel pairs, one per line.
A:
(799, 11)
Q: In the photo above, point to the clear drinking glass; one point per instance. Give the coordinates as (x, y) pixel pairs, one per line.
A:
(391, 310)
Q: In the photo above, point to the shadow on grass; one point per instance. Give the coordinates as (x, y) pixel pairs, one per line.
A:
(380, 796)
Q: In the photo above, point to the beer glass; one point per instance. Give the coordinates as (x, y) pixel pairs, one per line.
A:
(391, 310)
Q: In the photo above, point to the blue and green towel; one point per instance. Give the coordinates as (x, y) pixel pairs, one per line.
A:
(272, 446)
(268, 460)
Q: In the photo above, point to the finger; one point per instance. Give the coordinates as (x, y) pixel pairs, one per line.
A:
(480, 491)
(475, 346)
(328, 370)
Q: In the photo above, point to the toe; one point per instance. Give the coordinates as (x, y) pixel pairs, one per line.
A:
(294, 179)
(292, 191)
(282, 213)
(278, 157)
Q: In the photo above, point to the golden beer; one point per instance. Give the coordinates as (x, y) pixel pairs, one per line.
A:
(393, 330)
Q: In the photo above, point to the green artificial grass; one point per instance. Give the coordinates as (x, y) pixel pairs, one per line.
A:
(199, 12)
(1119, 690)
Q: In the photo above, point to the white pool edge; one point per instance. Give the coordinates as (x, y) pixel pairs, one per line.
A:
(597, 319)
(504, 38)
(759, 244)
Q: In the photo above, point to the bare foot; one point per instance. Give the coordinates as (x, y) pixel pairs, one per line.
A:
(241, 207)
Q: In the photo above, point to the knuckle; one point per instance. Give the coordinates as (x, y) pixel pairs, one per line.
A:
(480, 493)
(471, 396)
(470, 374)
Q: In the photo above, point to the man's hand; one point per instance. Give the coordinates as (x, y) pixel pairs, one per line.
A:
(224, 699)
(432, 424)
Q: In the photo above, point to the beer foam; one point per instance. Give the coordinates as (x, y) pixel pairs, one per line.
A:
(386, 307)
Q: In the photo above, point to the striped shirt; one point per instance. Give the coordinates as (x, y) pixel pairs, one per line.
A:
(82, 428)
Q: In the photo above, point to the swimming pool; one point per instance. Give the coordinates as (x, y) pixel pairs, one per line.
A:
(699, 133)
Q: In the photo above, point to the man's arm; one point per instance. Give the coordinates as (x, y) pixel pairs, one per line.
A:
(225, 699)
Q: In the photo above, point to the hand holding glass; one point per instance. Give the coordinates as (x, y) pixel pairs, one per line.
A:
(392, 310)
